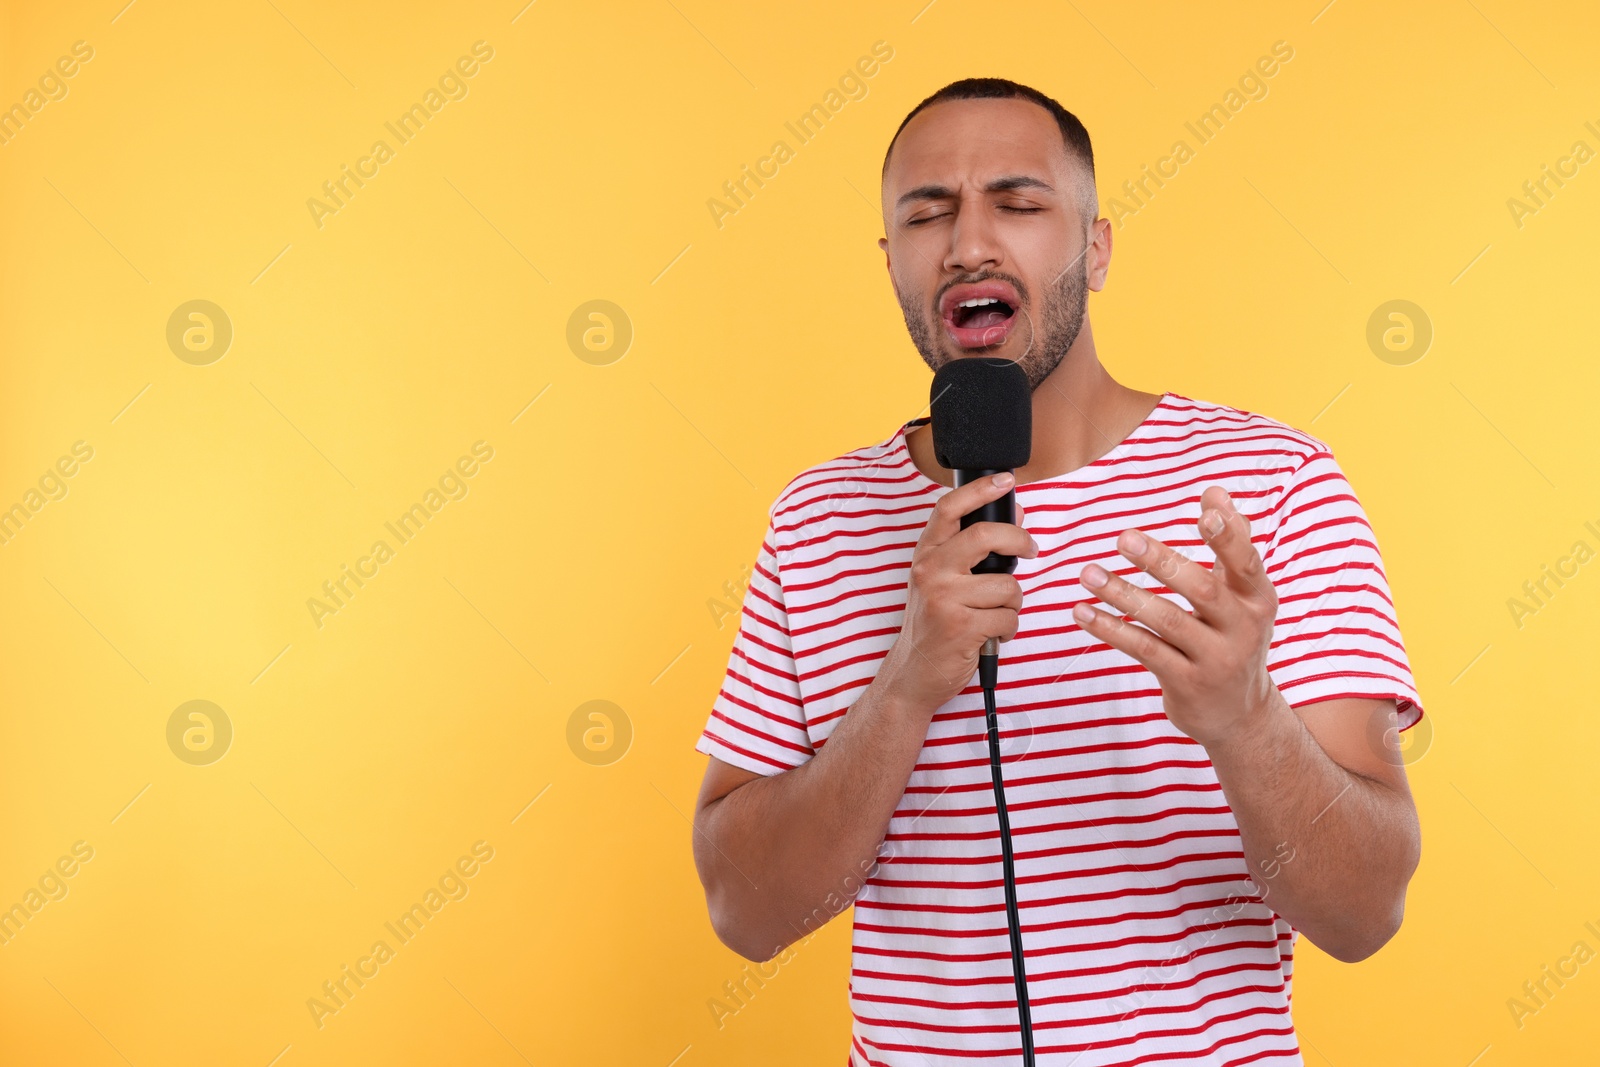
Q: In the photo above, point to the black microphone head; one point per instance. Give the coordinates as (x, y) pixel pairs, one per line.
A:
(982, 412)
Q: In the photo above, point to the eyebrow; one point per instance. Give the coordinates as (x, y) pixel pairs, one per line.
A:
(999, 185)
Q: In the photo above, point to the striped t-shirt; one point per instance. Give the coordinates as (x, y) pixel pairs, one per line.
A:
(1146, 941)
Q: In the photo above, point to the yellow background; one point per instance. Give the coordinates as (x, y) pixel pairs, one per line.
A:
(368, 354)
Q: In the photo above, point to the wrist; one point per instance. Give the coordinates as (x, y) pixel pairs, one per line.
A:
(894, 699)
(1258, 729)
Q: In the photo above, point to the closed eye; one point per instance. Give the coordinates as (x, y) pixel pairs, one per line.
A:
(1003, 207)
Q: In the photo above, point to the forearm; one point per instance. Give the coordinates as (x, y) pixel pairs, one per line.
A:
(1332, 850)
(782, 855)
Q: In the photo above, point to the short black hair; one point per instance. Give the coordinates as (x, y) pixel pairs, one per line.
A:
(1073, 135)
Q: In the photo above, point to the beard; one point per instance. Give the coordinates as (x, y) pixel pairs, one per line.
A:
(1051, 334)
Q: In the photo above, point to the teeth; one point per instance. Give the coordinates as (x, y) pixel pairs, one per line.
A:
(979, 302)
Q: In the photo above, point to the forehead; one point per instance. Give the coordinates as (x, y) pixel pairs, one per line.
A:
(969, 141)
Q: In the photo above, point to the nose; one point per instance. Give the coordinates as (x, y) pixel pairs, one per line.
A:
(974, 240)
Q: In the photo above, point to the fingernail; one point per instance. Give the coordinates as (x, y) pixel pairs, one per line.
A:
(1003, 479)
(1093, 576)
(1213, 523)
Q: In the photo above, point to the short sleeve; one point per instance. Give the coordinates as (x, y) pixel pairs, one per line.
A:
(1337, 633)
(757, 720)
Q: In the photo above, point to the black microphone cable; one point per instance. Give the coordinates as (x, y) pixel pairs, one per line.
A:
(988, 675)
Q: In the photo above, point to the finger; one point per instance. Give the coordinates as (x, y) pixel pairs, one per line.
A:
(1160, 658)
(967, 547)
(1170, 622)
(1227, 531)
(1205, 591)
(997, 622)
(945, 520)
(989, 591)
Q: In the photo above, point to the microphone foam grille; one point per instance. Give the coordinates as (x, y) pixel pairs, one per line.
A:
(982, 414)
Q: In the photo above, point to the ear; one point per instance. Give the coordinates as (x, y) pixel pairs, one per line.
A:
(1099, 253)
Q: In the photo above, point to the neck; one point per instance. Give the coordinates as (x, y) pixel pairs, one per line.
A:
(1079, 414)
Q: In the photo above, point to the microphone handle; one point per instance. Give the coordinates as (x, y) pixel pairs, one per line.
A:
(1001, 509)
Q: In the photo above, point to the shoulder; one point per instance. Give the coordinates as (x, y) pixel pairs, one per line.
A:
(848, 482)
(1213, 423)
(1269, 466)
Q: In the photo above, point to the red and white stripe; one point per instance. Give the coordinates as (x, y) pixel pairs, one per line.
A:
(1146, 942)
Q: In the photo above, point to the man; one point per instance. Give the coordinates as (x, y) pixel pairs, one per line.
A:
(1197, 768)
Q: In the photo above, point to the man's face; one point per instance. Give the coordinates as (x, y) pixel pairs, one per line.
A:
(987, 248)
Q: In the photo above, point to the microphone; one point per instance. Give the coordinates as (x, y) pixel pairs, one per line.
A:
(982, 414)
(983, 424)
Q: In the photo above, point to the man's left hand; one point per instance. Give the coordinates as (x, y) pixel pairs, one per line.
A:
(1212, 662)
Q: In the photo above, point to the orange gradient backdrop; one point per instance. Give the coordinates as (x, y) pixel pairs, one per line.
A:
(564, 500)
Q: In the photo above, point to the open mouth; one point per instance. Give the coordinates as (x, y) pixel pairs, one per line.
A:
(980, 316)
